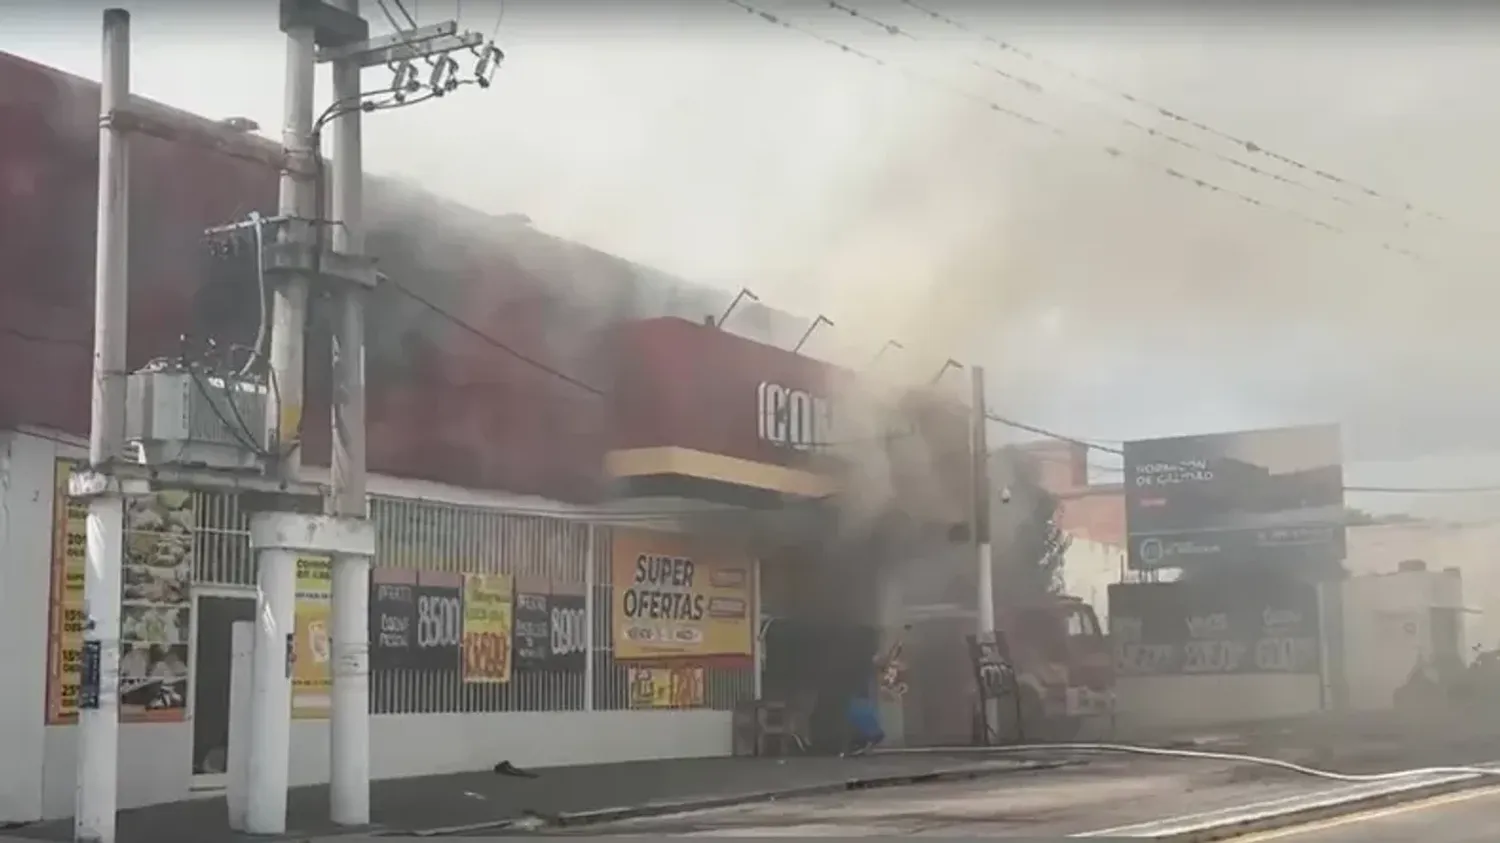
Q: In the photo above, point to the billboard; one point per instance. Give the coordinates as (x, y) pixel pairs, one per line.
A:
(1259, 497)
(1241, 625)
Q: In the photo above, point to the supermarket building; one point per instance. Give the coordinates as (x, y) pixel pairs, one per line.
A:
(488, 475)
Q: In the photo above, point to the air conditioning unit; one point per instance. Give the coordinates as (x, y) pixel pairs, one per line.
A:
(178, 416)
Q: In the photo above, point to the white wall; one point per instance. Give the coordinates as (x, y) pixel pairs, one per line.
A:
(26, 478)
(1152, 702)
(1474, 549)
(1388, 630)
(156, 758)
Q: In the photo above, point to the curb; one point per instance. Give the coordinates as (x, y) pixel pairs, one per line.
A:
(658, 809)
(1315, 813)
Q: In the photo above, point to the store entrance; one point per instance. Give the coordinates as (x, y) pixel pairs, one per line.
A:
(215, 612)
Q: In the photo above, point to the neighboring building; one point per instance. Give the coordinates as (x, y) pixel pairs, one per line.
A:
(666, 437)
(1093, 514)
(1470, 549)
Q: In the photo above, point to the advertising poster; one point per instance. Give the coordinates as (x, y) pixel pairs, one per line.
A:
(488, 612)
(1254, 623)
(569, 629)
(67, 616)
(438, 622)
(532, 648)
(393, 611)
(551, 632)
(1256, 498)
(673, 600)
(155, 612)
(312, 641)
(667, 687)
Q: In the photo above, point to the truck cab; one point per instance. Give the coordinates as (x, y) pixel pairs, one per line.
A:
(1064, 668)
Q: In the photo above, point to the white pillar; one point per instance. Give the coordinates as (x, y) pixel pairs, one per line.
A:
(99, 704)
(760, 636)
(350, 723)
(590, 579)
(241, 689)
(271, 695)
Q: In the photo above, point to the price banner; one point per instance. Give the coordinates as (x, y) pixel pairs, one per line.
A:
(488, 615)
(568, 623)
(437, 622)
(393, 618)
(312, 640)
(667, 687)
(532, 622)
(1244, 624)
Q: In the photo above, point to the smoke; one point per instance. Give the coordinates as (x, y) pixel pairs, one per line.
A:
(1084, 279)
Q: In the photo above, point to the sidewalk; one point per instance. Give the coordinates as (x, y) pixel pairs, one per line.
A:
(472, 799)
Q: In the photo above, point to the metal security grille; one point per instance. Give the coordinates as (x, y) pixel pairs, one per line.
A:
(442, 537)
(221, 542)
(432, 536)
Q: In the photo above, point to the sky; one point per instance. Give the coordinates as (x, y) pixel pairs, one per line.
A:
(1000, 187)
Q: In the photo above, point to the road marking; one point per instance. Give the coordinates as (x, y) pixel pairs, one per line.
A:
(1366, 816)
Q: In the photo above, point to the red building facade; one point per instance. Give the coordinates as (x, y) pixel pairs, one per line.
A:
(631, 406)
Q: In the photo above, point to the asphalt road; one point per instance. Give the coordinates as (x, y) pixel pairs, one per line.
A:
(1463, 817)
(1104, 794)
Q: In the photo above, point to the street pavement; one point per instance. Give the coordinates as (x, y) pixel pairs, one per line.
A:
(480, 798)
(1471, 816)
(1106, 792)
(1066, 801)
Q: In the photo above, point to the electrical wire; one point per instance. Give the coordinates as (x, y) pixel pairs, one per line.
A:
(264, 326)
(1111, 151)
(1042, 431)
(1176, 116)
(491, 341)
(1038, 89)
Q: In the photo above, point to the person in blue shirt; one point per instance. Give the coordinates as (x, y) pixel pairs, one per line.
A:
(863, 718)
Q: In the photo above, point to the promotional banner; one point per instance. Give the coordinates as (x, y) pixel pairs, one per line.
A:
(437, 622)
(156, 608)
(667, 687)
(674, 600)
(1248, 624)
(1258, 498)
(569, 628)
(533, 625)
(551, 632)
(393, 611)
(487, 625)
(312, 641)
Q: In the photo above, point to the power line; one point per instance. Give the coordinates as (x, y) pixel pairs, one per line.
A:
(1037, 123)
(1426, 490)
(27, 336)
(1170, 114)
(1033, 87)
(1041, 431)
(1382, 490)
(485, 337)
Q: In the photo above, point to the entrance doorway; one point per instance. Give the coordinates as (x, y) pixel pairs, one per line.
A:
(215, 611)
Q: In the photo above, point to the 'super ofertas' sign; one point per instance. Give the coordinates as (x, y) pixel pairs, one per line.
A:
(675, 600)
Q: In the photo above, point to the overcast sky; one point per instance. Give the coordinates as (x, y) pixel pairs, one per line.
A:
(1109, 298)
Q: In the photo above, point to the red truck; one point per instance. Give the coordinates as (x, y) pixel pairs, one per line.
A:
(1064, 669)
(1064, 672)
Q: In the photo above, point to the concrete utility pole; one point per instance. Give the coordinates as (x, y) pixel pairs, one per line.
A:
(349, 744)
(982, 498)
(319, 31)
(270, 720)
(99, 680)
